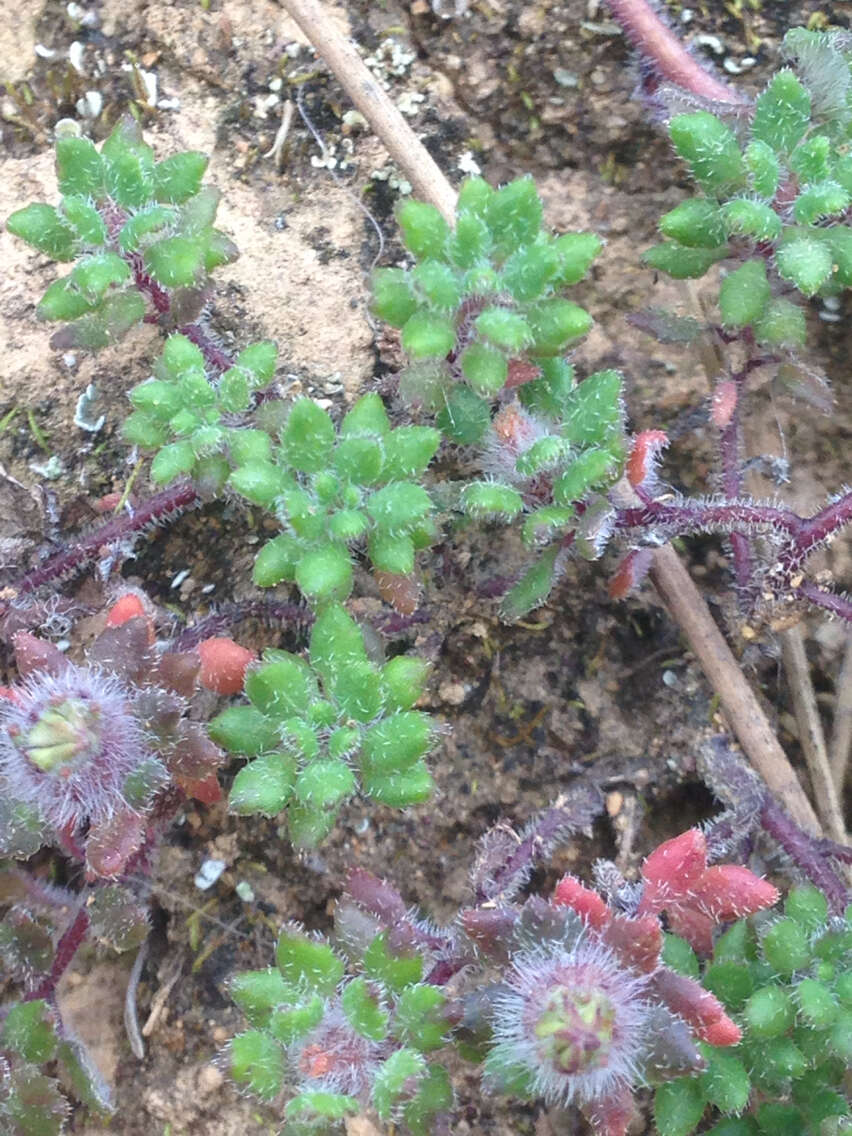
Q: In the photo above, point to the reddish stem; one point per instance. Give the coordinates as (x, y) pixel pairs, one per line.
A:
(215, 358)
(805, 852)
(65, 950)
(839, 606)
(155, 510)
(729, 450)
(658, 44)
(691, 517)
(821, 526)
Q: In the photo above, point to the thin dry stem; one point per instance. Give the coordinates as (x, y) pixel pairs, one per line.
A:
(841, 735)
(811, 734)
(672, 580)
(404, 146)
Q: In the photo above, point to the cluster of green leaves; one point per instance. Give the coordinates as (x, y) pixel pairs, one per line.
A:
(482, 295)
(776, 199)
(340, 1041)
(31, 1099)
(482, 314)
(133, 225)
(330, 490)
(311, 724)
(788, 984)
(551, 459)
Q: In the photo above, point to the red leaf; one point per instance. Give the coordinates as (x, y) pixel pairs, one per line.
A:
(587, 903)
(223, 665)
(611, 1115)
(672, 870)
(111, 843)
(644, 457)
(693, 925)
(728, 891)
(637, 942)
(703, 1012)
(127, 607)
(32, 654)
(630, 572)
(401, 592)
(207, 791)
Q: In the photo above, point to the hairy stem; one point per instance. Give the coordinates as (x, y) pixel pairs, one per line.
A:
(658, 44)
(65, 950)
(226, 616)
(72, 559)
(215, 357)
(806, 852)
(840, 606)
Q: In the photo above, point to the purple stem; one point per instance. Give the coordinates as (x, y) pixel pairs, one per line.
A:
(538, 842)
(65, 951)
(691, 517)
(806, 852)
(729, 450)
(658, 44)
(841, 606)
(229, 614)
(156, 509)
(215, 358)
(821, 526)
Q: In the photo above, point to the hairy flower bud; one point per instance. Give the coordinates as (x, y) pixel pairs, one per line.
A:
(68, 744)
(572, 1021)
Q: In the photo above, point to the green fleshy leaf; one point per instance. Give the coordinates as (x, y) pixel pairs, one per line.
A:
(532, 589)
(424, 230)
(679, 1106)
(428, 335)
(464, 417)
(695, 224)
(179, 177)
(263, 786)
(575, 251)
(680, 262)
(84, 218)
(364, 1010)
(306, 962)
(393, 300)
(743, 217)
(485, 368)
(174, 262)
(42, 227)
(308, 437)
(711, 150)
(490, 500)
(325, 574)
(257, 1061)
(744, 294)
(244, 730)
(805, 262)
(504, 328)
(782, 113)
(259, 992)
(79, 168)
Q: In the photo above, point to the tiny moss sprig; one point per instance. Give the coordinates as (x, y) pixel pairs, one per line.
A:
(311, 725)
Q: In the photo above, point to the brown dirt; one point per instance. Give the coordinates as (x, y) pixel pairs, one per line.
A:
(542, 87)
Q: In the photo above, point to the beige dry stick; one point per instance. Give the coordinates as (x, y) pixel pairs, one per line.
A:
(668, 574)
